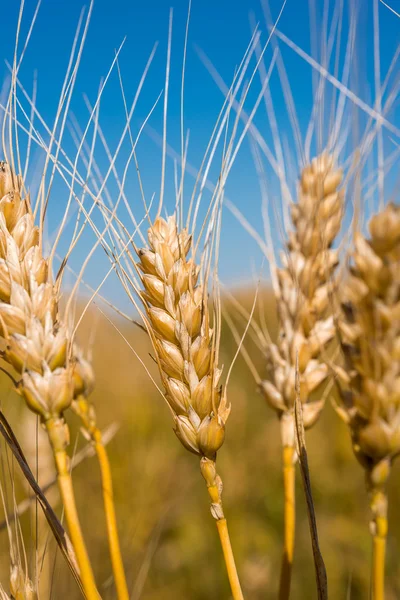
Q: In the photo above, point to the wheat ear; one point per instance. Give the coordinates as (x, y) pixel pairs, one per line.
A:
(302, 300)
(83, 386)
(36, 341)
(369, 327)
(178, 322)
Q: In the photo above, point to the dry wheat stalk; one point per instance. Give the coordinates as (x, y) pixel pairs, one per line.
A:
(179, 325)
(303, 294)
(36, 340)
(369, 326)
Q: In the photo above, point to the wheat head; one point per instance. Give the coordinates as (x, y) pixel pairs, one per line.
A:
(369, 326)
(36, 342)
(179, 325)
(304, 291)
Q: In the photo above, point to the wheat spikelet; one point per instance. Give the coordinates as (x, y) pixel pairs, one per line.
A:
(304, 290)
(84, 382)
(369, 383)
(21, 587)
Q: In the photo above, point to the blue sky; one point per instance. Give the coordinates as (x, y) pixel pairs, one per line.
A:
(221, 28)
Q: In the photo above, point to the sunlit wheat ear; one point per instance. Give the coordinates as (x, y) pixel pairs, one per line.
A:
(369, 326)
(304, 288)
(178, 315)
(36, 340)
(186, 350)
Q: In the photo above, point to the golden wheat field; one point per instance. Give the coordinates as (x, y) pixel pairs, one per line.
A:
(160, 498)
(200, 301)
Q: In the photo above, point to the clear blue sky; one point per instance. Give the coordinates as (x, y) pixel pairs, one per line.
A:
(221, 28)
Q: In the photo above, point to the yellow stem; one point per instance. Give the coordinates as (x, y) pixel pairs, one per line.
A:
(380, 528)
(86, 413)
(56, 429)
(112, 530)
(214, 487)
(229, 559)
(289, 522)
(378, 574)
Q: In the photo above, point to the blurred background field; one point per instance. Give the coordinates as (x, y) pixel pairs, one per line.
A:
(168, 537)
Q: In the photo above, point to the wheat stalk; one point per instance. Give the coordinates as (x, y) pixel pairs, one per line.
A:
(369, 327)
(303, 293)
(178, 321)
(83, 386)
(36, 340)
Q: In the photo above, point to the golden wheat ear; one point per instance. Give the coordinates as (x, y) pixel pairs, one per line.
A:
(37, 341)
(178, 316)
(369, 379)
(185, 345)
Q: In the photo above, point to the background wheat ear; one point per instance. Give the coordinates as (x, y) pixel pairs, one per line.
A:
(369, 380)
(186, 350)
(305, 284)
(37, 339)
